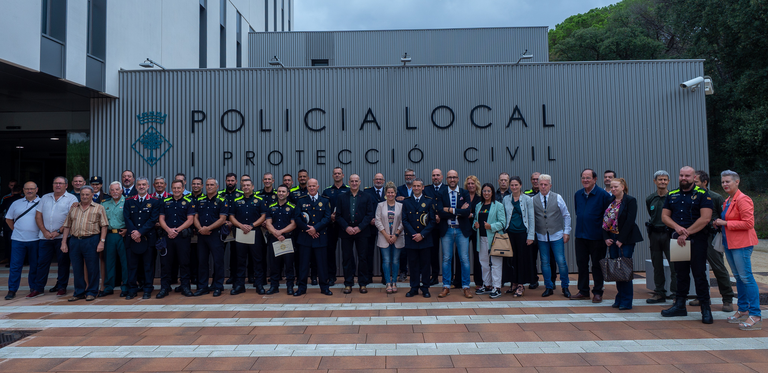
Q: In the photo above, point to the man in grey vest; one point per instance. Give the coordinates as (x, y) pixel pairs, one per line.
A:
(553, 229)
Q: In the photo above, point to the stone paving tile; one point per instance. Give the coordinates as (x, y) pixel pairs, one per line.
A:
(419, 362)
(720, 368)
(545, 360)
(29, 365)
(678, 357)
(90, 365)
(221, 363)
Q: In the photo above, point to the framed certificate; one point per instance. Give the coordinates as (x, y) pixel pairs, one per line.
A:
(283, 247)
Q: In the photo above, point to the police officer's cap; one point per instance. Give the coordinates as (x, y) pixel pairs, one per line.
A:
(96, 180)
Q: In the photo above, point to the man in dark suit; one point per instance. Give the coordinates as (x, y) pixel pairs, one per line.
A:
(418, 222)
(313, 236)
(404, 191)
(434, 191)
(141, 212)
(129, 190)
(377, 194)
(354, 212)
(455, 228)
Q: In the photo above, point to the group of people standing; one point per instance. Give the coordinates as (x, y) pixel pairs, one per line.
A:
(409, 224)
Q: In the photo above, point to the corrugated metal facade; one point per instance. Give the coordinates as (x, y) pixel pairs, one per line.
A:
(377, 48)
(631, 117)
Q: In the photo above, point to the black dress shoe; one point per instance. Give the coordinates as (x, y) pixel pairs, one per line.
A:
(177, 289)
(299, 293)
(566, 293)
(237, 290)
(411, 293)
(54, 289)
(130, 296)
(273, 290)
(289, 291)
(314, 281)
(216, 292)
(426, 294)
(186, 292)
(11, 295)
(326, 292)
(147, 295)
(433, 281)
(260, 290)
(105, 293)
(533, 285)
(123, 294)
(547, 293)
(162, 293)
(200, 292)
(230, 281)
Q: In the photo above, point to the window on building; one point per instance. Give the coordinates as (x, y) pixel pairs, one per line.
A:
(266, 15)
(223, 34)
(320, 62)
(282, 15)
(97, 28)
(203, 37)
(239, 42)
(54, 23)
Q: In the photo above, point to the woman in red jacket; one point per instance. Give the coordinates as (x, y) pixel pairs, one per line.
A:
(739, 237)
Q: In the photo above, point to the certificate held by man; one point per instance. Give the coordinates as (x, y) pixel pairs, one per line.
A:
(282, 247)
(246, 238)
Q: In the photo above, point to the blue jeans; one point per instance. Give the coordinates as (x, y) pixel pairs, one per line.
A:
(558, 249)
(746, 287)
(83, 251)
(19, 250)
(454, 235)
(47, 250)
(390, 257)
(626, 291)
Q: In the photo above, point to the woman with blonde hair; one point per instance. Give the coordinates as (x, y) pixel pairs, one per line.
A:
(472, 186)
(389, 223)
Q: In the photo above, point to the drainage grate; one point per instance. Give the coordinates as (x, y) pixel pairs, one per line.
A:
(11, 336)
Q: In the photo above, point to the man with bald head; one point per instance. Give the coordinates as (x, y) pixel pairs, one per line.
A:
(687, 211)
(313, 237)
(354, 212)
(377, 193)
(455, 228)
(434, 191)
(24, 241)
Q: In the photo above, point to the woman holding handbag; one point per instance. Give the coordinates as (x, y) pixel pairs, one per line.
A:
(621, 234)
(521, 228)
(739, 237)
(489, 220)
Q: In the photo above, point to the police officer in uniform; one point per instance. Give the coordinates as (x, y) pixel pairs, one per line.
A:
(230, 192)
(281, 221)
(211, 212)
(418, 223)
(687, 211)
(332, 192)
(141, 212)
(176, 217)
(296, 193)
(248, 213)
(269, 194)
(313, 237)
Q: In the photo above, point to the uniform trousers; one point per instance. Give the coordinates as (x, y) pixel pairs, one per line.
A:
(178, 247)
(348, 259)
(47, 249)
(306, 254)
(254, 251)
(140, 266)
(435, 259)
(210, 246)
(587, 250)
(114, 249)
(698, 266)
(83, 251)
(659, 245)
(279, 263)
(419, 265)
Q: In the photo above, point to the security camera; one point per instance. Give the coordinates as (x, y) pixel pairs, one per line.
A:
(405, 59)
(693, 83)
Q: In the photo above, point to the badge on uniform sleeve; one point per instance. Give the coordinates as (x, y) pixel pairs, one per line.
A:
(320, 204)
(423, 204)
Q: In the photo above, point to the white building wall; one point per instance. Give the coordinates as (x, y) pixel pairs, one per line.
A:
(179, 35)
(20, 24)
(76, 46)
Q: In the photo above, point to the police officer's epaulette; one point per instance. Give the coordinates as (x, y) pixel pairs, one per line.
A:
(366, 188)
(202, 197)
(702, 191)
(529, 191)
(187, 198)
(273, 205)
(294, 189)
(428, 197)
(167, 199)
(239, 198)
(675, 191)
(303, 197)
(258, 197)
(291, 205)
(221, 198)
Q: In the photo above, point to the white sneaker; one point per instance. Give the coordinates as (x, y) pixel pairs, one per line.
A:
(495, 293)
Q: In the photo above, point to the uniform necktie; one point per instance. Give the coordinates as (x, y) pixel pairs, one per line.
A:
(314, 199)
(126, 191)
(379, 191)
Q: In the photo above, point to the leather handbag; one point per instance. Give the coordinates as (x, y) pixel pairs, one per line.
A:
(618, 269)
(501, 245)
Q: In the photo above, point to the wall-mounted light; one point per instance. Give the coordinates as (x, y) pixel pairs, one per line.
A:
(274, 61)
(405, 59)
(150, 64)
(524, 56)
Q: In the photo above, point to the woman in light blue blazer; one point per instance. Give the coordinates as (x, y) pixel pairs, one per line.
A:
(521, 227)
(489, 220)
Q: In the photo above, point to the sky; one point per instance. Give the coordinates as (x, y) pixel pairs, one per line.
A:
(330, 15)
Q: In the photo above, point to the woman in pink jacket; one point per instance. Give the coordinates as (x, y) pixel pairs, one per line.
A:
(739, 237)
